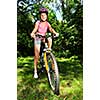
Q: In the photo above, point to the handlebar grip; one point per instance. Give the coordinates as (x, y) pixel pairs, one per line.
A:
(55, 36)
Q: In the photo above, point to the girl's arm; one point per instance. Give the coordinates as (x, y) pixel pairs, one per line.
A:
(34, 30)
(52, 30)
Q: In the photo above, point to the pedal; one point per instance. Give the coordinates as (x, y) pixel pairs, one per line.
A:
(42, 69)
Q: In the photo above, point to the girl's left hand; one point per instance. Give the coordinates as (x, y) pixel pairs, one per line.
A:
(57, 34)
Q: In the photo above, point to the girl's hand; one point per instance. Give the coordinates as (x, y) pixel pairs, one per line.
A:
(57, 34)
(32, 35)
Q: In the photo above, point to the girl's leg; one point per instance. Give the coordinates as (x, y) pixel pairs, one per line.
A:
(49, 42)
(36, 58)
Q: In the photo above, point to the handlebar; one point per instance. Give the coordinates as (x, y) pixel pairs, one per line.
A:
(53, 36)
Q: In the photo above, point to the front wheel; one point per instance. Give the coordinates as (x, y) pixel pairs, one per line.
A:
(53, 73)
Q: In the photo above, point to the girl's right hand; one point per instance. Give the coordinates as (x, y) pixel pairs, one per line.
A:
(32, 35)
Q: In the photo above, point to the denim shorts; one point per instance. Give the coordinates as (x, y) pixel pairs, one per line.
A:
(38, 40)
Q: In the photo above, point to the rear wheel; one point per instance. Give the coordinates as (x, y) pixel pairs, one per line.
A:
(53, 74)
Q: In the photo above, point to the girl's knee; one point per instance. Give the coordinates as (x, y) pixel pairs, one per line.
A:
(49, 39)
(36, 57)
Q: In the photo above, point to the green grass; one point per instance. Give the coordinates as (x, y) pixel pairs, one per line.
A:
(71, 81)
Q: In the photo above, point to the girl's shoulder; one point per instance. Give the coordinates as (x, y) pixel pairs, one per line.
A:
(38, 21)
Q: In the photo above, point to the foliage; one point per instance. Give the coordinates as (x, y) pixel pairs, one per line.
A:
(71, 29)
(29, 88)
(70, 41)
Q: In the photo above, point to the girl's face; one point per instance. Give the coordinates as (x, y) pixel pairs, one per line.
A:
(43, 16)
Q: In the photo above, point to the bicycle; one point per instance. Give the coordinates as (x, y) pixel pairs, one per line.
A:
(48, 62)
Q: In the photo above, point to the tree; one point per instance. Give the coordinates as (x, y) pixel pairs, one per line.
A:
(70, 41)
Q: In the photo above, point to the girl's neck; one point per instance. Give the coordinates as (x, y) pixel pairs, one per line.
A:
(43, 21)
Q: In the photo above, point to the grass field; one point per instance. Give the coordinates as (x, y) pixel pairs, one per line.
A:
(71, 81)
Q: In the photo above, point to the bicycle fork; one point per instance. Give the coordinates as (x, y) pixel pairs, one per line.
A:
(46, 64)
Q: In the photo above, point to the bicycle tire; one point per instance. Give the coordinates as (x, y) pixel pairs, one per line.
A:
(53, 73)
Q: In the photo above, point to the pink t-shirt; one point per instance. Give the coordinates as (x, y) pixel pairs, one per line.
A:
(42, 29)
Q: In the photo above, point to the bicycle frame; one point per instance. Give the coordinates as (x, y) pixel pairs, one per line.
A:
(45, 60)
(45, 52)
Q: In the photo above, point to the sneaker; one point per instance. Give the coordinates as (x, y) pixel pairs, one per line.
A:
(35, 75)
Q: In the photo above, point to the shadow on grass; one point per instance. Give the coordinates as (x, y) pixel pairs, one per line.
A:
(29, 88)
